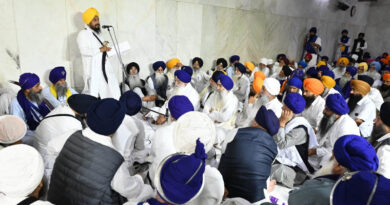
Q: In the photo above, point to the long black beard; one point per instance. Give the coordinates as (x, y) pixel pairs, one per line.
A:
(326, 123)
(385, 88)
(353, 100)
(377, 132)
(35, 97)
(61, 89)
(309, 100)
(97, 30)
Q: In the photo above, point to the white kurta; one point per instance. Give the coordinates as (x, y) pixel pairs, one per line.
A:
(199, 80)
(94, 82)
(223, 115)
(61, 100)
(376, 97)
(366, 111)
(338, 51)
(345, 125)
(338, 72)
(331, 91)
(190, 93)
(314, 113)
(383, 156)
(16, 200)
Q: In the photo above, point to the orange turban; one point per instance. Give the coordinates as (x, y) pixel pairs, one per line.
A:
(385, 61)
(172, 63)
(314, 85)
(386, 77)
(249, 65)
(344, 59)
(328, 81)
(89, 14)
(258, 84)
(259, 74)
(361, 86)
(365, 66)
(320, 63)
(388, 58)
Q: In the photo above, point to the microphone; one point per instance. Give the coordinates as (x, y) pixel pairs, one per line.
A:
(106, 26)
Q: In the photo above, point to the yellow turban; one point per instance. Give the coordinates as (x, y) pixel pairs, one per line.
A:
(361, 86)
(258, 84)
(344, 59)
(172, 63)
(249, 65)
(89, 14)
(365, 66)
(328, 81)
(320, 63)
(314, 85)
(259, 74)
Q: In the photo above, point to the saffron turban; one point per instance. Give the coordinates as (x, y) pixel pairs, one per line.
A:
(259, 74)
(314, 85)
(321, 63)
(89, 14)
(344, 59)
(172, 63)
(328, 82)
(386, 77)
(249, 65)
(364, 65)
(257, 84)
(361, 86)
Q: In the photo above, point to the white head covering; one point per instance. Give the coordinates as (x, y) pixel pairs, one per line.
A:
(355, 57)
(272, 85)
(189, 128)
(21, 170)
(270, 61)
(12, 129)
(264, 61)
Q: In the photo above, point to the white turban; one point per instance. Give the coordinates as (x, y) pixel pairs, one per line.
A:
(264, 61)
(272, 85)
(270, 61)
(21, 170)
(190, 127)
(12, 129)
(355, 57)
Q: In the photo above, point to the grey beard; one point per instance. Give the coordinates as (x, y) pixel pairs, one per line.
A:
(377, 132)
(326, 169)
(159, 79)
(134, 81)
(35, 97)
(61, 89)
(372, 74)
(263, 99)
(344, 80)
(326, 123)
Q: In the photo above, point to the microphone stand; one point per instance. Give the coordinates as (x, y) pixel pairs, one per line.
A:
(118, 54)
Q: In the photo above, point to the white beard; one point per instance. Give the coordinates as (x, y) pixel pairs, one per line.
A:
(262, 100)
(179, 90)
(222, 97)
(344, 80)
(134, 81)
(160, 79)
(372, 74)
(326, 169)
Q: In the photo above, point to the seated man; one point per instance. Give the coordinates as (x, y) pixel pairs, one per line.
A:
(93, 165)
(241, 83)
(351, 153)
(156, 86)
(283, 74)
(12, 130)
(385, 87)
(361, 108)
(250, 70)
(234, 59)
(263, 67)
(199, 78)
(59, 92)
(340, 68)
(330, 86)
(29, 104)
(335, 123)
(374, 94)
(315, 104)
(136, 84)
(246, 163)
(222, 105)
(173, 65)
(22, 171)
(294, 138)
(210, 88)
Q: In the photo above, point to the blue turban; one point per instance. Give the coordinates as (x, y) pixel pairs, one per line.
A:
(179, 105)
(355, 153)
(105, 116)
(179, 177)
(268, 120)
(303, 64)
(131, 101)
(241, 68)
(81, 102)
(158, 64)
(325, 58)
(386, 69)
(216, 75)
(328, 73)
(384, 113)
(298, 73)
(188, 69)
(295, 102)
(377, 65)
(28, 80)
(296, 82)
(226, 82)
(344, 31)
(357, 189)
(313, 29)
(234, 58)
(366, 79)
(312, 71)
(351, 70)
(57, 74)
(183, 76)
(336, 103)
(323, 68)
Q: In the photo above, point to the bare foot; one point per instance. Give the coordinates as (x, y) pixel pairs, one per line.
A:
(271, 186)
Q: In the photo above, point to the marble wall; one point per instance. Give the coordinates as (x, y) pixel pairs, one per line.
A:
(37, 35)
